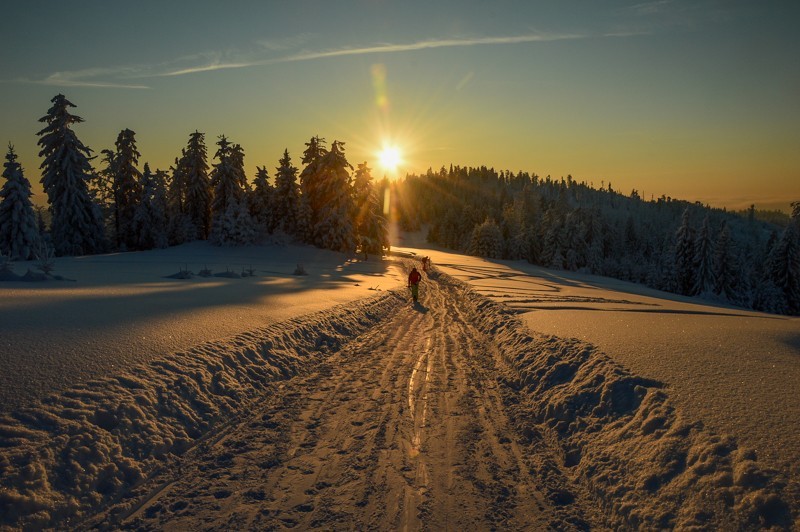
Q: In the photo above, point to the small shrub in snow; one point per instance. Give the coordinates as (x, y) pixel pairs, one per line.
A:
(45, 259)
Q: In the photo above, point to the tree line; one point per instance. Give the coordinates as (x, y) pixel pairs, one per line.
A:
(119, 207)
(672, 245)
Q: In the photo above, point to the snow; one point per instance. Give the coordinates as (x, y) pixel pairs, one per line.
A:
(123, 310)
(629, 408)
(735, 372)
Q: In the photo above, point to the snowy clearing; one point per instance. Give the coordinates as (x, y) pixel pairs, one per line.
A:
(457, 412)
(123, 310)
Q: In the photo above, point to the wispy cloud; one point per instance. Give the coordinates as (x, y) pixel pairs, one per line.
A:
(120, 77)
(383, 48)
(89, 77)
(649, 8)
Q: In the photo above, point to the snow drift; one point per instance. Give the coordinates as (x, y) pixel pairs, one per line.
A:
(623, 441)
(74, 452)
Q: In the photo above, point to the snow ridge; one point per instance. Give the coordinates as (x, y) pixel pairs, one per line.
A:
(623, 441)
(82, 449)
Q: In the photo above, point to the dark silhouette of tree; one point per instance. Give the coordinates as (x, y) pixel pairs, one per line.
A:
(19, 233)
(76, 226)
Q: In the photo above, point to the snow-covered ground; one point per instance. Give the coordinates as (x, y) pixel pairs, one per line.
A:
(735, 370)
(560, 399)
(122, 309)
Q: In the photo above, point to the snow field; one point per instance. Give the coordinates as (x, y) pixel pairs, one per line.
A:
(75, 452)
(623, 439)
(620, 437)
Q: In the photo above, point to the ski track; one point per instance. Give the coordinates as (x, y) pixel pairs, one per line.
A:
(403, 429)
(382, 415)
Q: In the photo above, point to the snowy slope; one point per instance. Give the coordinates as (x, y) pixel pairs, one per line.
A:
(623, 422)
(733, 371)
(123, 310)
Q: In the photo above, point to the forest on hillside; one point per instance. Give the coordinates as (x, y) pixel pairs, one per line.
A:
(672, 245)
(750, 259)
(122, 206)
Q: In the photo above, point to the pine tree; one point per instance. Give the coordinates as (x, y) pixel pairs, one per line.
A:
(76, 225)
(126, 187)
(19, 234)
(231, 223)
(370, 223)
(784, 268)
(196, 184)
(332, 202)
(180, 228)
(487, 240)
(101, 189)
(311, 202)
(150, 218)
(261, 201)
(684, 256)
(703, 261)
(286, 204)
(725, 266)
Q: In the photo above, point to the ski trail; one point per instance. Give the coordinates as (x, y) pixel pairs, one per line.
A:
(403, 429)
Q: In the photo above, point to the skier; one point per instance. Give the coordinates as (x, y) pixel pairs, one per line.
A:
(413, 283)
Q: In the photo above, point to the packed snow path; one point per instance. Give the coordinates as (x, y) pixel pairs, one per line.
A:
(381, 414)
(404, 429)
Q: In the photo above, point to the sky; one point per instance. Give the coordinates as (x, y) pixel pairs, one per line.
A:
(695, 100)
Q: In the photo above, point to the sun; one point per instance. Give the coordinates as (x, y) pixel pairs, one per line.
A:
(390, 158)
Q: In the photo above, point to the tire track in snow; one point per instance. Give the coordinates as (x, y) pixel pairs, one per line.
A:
(403, 429)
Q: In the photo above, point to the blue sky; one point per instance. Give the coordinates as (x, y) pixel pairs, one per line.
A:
(694, 100)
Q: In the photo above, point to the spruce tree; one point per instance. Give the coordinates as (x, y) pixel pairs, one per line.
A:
(19, 234)
(332, 202)
(684, 256)
(196, 185)
(370, 223)
(261, 201)
(487, 240)
(126, 187)
(231, 223)
(703, 261)
(150, 218)
(726, 268)
(76, 224)
(311, 200)
(286, 204)
(180, 226)
(784, 268)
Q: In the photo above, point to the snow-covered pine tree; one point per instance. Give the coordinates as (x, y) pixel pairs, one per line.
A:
(487, 240)
(196, 184)
(101, 189)
(180, 226)
(150, 218)
(19, 233)
(784, 267)
(311, 201)
(726, 267)
(703, 261)
(261, 200)
(372, 234)
(552, 255)
(76, 226)
(231, 223)
(332, 198)
(126, 187)
(684, 256)
(286, 204)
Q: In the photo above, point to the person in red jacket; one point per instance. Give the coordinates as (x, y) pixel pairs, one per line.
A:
(413, 282)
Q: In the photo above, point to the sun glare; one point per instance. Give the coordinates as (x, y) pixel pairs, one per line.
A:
(389, 158)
